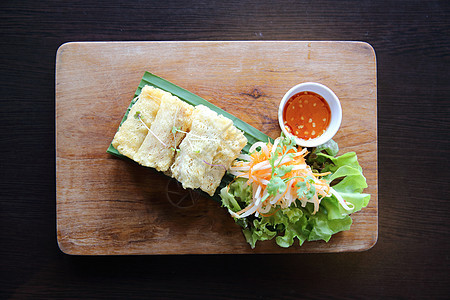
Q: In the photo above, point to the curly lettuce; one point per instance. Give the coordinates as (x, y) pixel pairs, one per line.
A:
(297, 223)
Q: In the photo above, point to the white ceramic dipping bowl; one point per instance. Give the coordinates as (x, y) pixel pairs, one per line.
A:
(335, 109)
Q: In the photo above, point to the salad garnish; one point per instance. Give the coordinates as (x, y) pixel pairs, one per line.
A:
(285, 191)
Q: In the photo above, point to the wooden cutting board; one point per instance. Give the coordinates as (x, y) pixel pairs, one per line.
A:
(110, 206)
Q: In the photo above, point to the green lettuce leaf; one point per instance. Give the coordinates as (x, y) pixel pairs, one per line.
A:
(348, 159)
(323, 228)
(295, 226)
(330, 147)
(237, 196)
(299, 223)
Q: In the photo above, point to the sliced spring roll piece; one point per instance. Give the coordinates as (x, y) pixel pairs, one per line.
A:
(159, 147)
(228, 150)
(132, 132)
(207, 150)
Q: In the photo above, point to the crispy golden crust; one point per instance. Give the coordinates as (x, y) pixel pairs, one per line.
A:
(132, 132)
(198, 159)
(158, 149)
(207, 150)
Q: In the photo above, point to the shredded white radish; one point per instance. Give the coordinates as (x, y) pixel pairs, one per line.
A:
(256, 167)
(240, 168)
(275, 145)
(262, 166)
(259, 144)
(249, 212)
(300, 167)
(341, 200)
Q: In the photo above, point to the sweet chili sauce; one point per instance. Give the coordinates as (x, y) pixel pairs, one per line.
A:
(306, 115)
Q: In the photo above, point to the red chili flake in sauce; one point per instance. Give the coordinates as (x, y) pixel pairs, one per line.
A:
(306, 115)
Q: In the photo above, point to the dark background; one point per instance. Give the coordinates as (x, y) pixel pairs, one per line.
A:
(411, 258)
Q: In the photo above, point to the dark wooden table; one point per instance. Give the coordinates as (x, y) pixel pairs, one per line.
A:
(410, 260)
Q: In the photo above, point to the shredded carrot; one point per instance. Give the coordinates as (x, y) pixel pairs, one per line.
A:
(244, 210)
(271, 214)
(259, 172)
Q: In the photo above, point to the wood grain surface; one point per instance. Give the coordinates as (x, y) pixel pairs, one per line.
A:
(106, 205)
